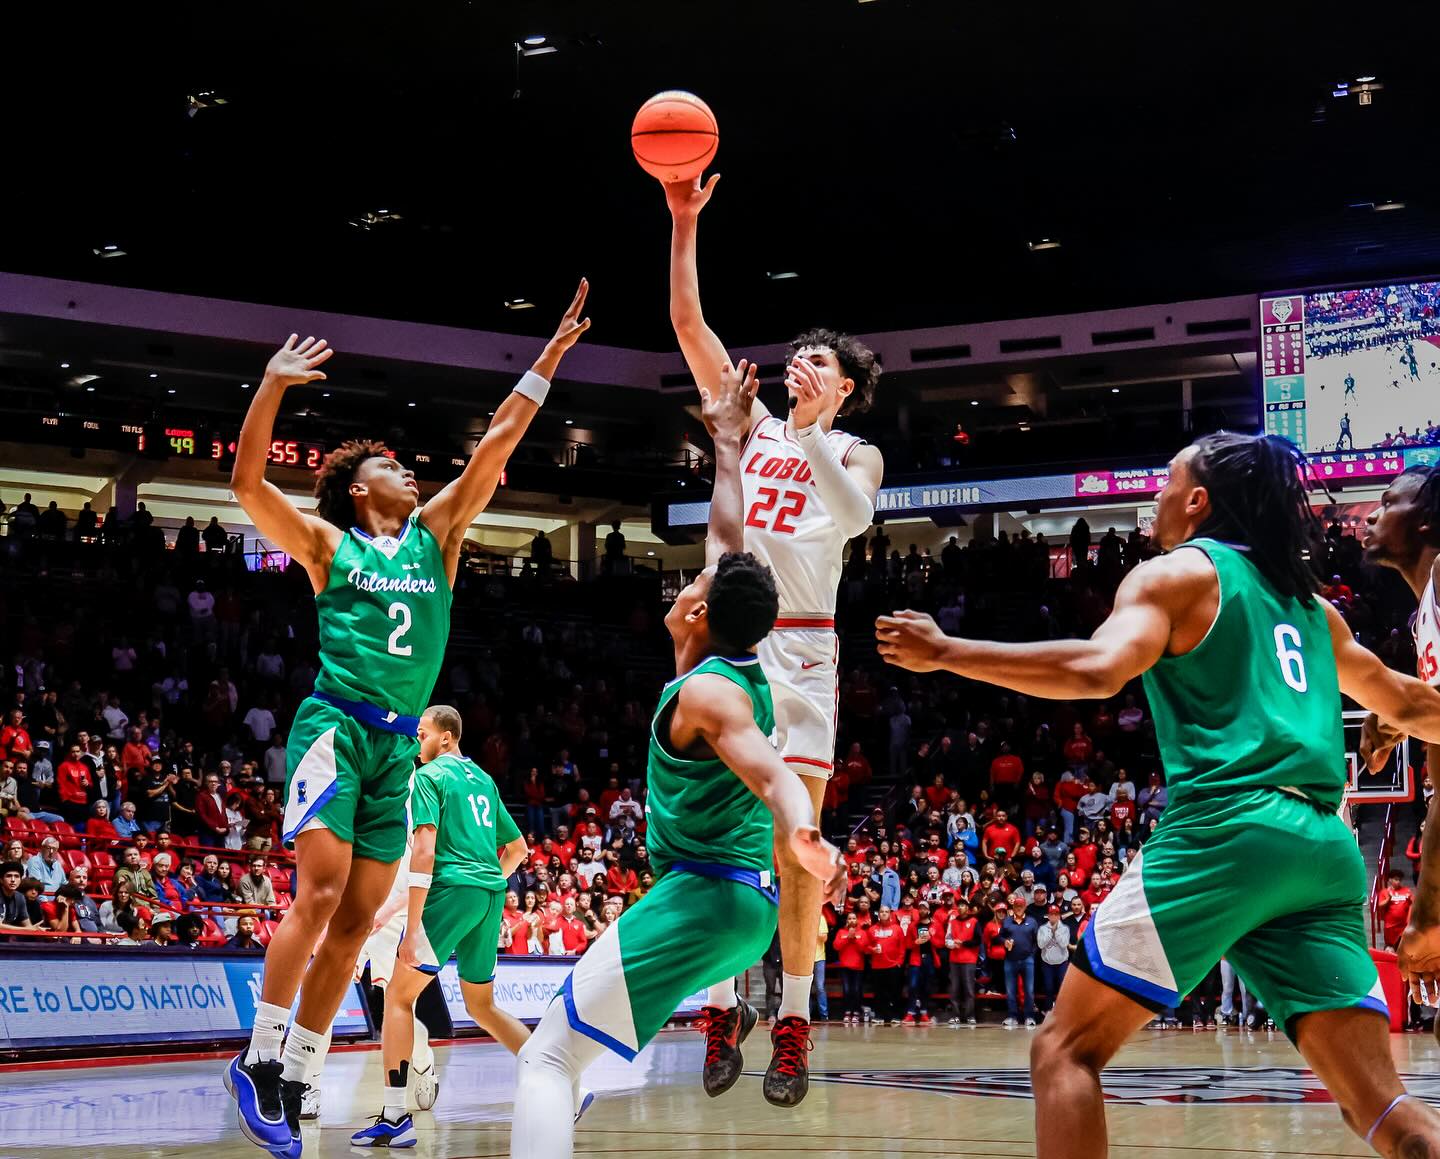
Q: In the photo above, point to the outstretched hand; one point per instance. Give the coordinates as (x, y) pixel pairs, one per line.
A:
(726, 410)
(910, 640)
(687, 198)
(1419, 963)
(295, 362)
(1377, 741)
(572, 325)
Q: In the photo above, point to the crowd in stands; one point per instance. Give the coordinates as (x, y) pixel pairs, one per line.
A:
(148, 693)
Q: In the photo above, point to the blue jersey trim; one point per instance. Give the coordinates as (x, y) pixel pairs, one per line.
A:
(315, 806)
(370, 715)
(578, 1023)
(404, 531)
(751, 877)
(1125, 983)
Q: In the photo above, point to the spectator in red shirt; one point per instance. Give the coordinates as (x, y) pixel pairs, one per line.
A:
(856, 767)
(619, 881)
(1395, 903)
(1038, 800)
(1078, 749)
(1124, 808)
(15, 743)
(534, 792)
(1067, 799)
(1086, 854)
(135, 756)
(887, 960)
(1412, 852)
(1006, 769)
(563, 846)
(852, 944)
(935, 853)
(1000, 834)
(962, 939)
(73, 781)
(574, 934)
(99, 826)
(1096, 892)
(938, 794)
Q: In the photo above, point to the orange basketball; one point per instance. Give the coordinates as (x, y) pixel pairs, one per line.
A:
(674, 136)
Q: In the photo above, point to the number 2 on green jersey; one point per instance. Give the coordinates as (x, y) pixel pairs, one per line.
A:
(480, 803)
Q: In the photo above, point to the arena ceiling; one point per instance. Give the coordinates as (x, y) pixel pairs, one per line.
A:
(901, 157)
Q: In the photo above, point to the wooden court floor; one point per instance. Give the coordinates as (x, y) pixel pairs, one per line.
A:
(895, 1093)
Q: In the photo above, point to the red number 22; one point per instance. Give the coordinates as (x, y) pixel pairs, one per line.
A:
(769, 496)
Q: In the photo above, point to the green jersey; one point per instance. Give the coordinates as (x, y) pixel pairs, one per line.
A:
(698, 810)
(384, 619)
(458, 797)
(1256, 704)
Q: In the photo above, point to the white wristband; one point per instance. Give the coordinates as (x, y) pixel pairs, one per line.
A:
(420, 880)
(533, 387)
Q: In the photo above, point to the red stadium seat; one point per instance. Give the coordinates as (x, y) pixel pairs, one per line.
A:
(17, 827)
(279, 878)
(213, 932)
(265, 930)
(69, 839)
(41, 827)
(74, 857)
(104, 863)
(100, 887)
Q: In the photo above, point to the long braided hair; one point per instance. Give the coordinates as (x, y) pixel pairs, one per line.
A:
(1259, 500)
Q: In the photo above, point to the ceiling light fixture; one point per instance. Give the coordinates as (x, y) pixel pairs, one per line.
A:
(109, 250)
(974, 402)
(64, 366)
(1388, 206)
(90, 389)
(170, 391)
(325, 394)
(651, 553)
(1364, 80)
(535, 46)
(368, 220)
(154, 376)
(1114, 390)
(244, 386)
(409, 404)
(519, 304)
(1045, 243)
(569, 422)
(782, 275)
(534, 41)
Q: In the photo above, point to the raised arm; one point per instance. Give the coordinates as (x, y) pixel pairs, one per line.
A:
(456, 506)
(1134, 637)
(725, 411)
(720, 714)
(306, 538)
(703, 350)
(1411, 705)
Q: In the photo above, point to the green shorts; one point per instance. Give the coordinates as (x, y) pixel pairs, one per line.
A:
(686, 934)
(1268, 880)
(349, 778)
(463, 920)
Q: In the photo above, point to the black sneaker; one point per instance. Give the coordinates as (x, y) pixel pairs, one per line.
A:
(724, 1031)
(787, 1081)
(292, 1098)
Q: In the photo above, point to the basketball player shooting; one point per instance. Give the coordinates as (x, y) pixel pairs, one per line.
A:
(1243, 667)
(808, 490)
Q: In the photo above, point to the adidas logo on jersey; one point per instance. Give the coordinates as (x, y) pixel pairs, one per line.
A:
(375, 582)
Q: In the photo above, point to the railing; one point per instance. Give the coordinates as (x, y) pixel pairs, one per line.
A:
(1382, 867)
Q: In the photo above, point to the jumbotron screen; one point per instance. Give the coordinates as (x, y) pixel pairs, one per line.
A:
(1348, 370)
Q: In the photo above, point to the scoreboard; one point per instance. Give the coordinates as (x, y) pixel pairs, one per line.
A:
(1282, 367)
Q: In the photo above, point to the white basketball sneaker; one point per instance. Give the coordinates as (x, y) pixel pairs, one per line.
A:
(427, 1087)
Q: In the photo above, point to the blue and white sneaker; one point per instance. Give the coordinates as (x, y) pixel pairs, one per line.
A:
(383, 1133)
(586, 1098)
(255, 1087)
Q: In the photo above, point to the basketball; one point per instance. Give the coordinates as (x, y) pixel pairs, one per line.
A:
(674, 136)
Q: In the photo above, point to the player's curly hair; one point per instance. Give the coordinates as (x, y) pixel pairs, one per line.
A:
(743, 603)
(856, 359)
(332, 484)
(1260, 500)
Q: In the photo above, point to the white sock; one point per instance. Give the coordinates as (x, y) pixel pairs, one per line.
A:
(795, 996)
(394, 1108)
(422, 1057)
(268, 1032)
(547, 1075)
(304, 1054)
(722, 994)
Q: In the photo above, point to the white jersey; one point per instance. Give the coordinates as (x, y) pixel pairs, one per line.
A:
(786, 524)
(1426, 630)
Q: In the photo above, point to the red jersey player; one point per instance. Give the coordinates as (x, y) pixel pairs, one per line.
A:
(808, 490)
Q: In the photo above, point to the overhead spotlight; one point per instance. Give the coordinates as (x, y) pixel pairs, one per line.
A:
(410, 404)
(1364, 80)
(974, 402)
(519, 304)
(534, 41)
(368, 220)
(1114, 390)
(535, 46)
(108, 250)
(154, 376)
(782, 275)
(325, 394)
(1045, 243)
(90, 389)
(171, 390)
(1388, 206)
(650, 553)
(569, 422)
(64, 366)
(206, 99)
(244, 386)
